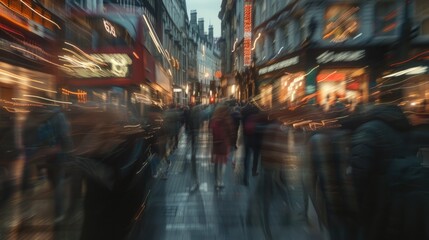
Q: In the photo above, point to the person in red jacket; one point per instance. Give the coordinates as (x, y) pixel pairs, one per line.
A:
(221, 128)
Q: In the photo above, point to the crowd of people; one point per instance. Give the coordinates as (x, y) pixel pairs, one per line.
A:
(364, 169)
(348, 165)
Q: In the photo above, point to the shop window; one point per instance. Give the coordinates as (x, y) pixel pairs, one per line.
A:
(341, 22)
(425, 27)
(285, 37)
(386, 14)
(347, 85)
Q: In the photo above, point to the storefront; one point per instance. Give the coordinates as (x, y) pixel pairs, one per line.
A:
(343, 74)
(28, 47)
(282, 82)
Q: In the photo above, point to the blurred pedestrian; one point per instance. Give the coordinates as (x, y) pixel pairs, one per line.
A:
(194, 121)
(47, 141)
(221, 128)
(236, 117)
(374, 144)
(251, 139)
(275, 159)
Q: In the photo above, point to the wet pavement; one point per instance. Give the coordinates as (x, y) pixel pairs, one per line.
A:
(174, 212)
(235, 212)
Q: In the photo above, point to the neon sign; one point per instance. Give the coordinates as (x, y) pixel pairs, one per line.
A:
(109, 28)
(280, 65)
(247, 33)
(347, 56)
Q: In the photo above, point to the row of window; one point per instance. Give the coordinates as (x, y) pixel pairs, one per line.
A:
(32, 11)
(342, 22)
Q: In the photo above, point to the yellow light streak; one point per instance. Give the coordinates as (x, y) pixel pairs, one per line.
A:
(255, 41)
(86, 55)
(31, 101)
(35, 55)
(46, 99)
(28, 85)
(15, 110)
(58, 26)
(12, 75)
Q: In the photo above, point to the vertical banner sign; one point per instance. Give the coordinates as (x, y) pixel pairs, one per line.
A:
(247, 33)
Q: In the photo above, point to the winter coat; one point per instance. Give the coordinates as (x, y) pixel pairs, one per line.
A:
(373, 145)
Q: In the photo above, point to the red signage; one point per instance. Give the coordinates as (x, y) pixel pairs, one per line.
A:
(247, 33)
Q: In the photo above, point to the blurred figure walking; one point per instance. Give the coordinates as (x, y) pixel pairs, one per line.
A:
(194, 120)
(221, 127)
(252, 139)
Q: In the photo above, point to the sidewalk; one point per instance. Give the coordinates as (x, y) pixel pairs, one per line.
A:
(30, 215)
(232, 213)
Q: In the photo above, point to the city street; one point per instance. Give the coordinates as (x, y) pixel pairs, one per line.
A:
(234, 212)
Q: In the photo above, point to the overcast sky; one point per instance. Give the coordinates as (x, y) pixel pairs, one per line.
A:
(207, 9)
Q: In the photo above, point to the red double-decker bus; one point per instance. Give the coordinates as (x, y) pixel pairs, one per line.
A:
(119, 60)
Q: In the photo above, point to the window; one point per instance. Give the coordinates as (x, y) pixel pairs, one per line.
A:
(386, 14)
(286, 36)
(341, 22)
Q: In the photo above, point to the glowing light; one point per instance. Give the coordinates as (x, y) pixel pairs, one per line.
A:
(9, 74)
(409, 71)
(85, 54)
(46, 99)
(135, 55)
(234, 45)
(155, 37)
(256, 40)
(15, 110)
(35, 55)
(327, 76)
(47, 19)
(410, 59)
(31, 101)
(109, 28)
(279, 51)
(247, 19)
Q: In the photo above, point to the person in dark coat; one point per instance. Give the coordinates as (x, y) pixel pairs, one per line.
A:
(375, 142)
(47, 138)
(194, 122)
(249, 114)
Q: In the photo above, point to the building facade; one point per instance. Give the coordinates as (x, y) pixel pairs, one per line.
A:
(175, 40)
(321, 50)
(228, 43)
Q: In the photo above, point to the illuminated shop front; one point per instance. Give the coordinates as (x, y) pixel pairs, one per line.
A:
(349, 85)
(27, 41)
(282, 82)
(290, 88)
(344, 74)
